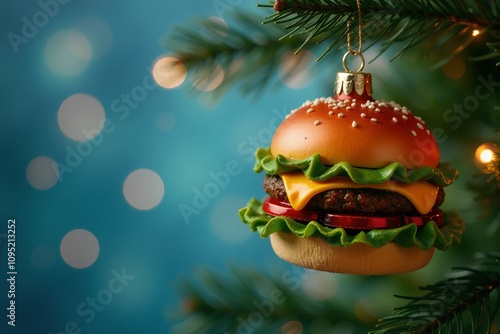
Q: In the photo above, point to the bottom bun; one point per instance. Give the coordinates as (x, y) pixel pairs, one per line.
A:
(360, 259)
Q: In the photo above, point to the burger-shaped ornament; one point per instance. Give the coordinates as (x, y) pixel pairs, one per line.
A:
(354, 186)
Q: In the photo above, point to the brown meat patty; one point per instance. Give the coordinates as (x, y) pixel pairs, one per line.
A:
(352, 200)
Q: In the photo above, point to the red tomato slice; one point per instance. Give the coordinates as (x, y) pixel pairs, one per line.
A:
(275, 207)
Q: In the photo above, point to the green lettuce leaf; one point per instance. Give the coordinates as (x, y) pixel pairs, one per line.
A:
(315, 170)
(430, 235)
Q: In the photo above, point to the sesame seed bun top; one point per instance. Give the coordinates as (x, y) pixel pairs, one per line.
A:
(370, 134)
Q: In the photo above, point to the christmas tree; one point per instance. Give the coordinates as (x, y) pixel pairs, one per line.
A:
(441, 58)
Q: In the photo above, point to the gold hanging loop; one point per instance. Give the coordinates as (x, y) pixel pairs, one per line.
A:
(354, 53)
(350, 50)
(349, 84)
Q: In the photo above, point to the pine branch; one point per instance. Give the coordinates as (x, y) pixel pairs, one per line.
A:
(248, 54)
(464, 303)
(246, 301)
(445, 26)
(488, 202)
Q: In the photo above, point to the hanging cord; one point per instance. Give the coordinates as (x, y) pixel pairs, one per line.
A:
(350, 50)
(360, 32)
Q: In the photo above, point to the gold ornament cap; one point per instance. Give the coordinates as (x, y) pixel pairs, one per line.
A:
(353, 85)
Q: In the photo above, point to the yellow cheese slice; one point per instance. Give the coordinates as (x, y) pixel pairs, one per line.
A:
(300, 189)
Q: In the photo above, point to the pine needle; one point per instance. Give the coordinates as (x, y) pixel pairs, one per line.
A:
(248, 54)
(451, 304)
(398, 22)
(244, 300)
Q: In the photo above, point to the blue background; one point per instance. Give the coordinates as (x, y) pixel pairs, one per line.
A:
(184, 139)
(155, 246)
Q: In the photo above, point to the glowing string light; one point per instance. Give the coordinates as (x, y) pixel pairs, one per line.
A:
(486, 158)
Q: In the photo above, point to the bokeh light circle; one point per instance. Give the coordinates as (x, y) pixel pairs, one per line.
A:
(98, 34)
(292, 327)
(223, 216)
(43, 257)
(294, 69)
(68, 53)
(365, 311)
(165, 121)
(208, 78)
(42, 173)
(320, 286)
(143, 189)
(217, 29)
(79, 248)
(81, 117)
(169, 72)
(455, 68)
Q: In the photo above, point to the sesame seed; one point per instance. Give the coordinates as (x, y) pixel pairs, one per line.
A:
(396, 109)
(335, 108)
(405, 118)
(330, 112)
(287, 116)
(377, 109)
(340, 115)
(317, 122)
(371, 106)
(428, 132)
(419, 119)
(293, 111)
(353, 100)
(310, 110)
(414, 133)
(394, 119)
(347, 101)
(354, 124)
(420, 126)
(353, 104)
(363, 106)
(373, 120)
(363, 115)
(404, 111)
(348, 108)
